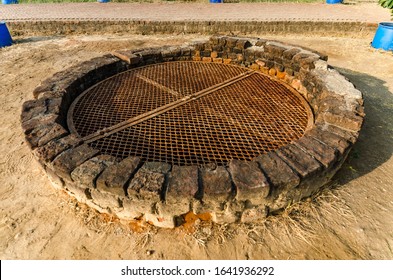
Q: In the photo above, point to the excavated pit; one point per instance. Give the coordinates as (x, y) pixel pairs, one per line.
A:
(230, 127)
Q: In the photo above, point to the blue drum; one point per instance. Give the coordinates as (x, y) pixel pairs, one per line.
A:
(5, 36)
(334, 1)
(383, 38)
(5, 2)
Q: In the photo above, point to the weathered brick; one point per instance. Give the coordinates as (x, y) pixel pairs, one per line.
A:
(208, 46)
(42, 134)
(275, 49)
(260, 62)
(249, 55)
(127, 56)
(338, 105)
(117, 175)
(148, 182)
(32, 109)
(44, 119)
(109, 201)
(308, 62)
(216, 183)
(206, 53)
(214, 40)
(214, 54)
(186, 51)
(296, 84)
(249, 180)
(280, 75)
(321, 152)
(231, 42)
(222, 40)
(304, 164)
(255, 66)
(289, 71)
(45, 86)
(269, 63)
(150, 53)
(49, 151)
(272, 72)
(67, 161)
(243, 44)
(49, 94)
(297, 57)
(232, 56)
(86, 173)
(197, 53)
(159, 167)
(57, 131)
(218, 48)
(330, 139)
(261, 42)
(351, 136)
(207, 59)
(55, 106)
(279, 67)
(289, 54)
(183, 183)
(171, 52)
(198, 45)
(280, 175)
(346, 120)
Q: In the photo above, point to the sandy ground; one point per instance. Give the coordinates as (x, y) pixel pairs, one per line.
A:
(350, 220)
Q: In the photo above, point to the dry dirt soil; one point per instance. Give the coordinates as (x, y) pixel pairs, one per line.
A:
(351, 219)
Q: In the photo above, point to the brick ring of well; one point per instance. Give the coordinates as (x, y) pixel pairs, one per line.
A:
(161, 193)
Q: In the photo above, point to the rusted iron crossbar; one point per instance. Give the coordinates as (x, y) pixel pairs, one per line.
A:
(160, 110)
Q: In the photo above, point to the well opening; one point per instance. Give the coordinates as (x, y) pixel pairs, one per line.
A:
(189, 113)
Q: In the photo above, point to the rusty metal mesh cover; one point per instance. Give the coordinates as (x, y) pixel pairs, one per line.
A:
(189, 113)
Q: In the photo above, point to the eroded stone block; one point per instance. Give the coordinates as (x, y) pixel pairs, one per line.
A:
(183, 183)
(216, 183)
(127, 56)
(249, 180)
(148, 182)
(321, 152)
(86, 173)
(49, 151)
(117, 175)
(304, 164)
(67, 161)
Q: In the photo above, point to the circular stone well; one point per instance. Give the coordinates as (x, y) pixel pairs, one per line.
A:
(233, 127)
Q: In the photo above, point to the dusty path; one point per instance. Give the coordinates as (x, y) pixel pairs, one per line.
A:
(366, 12)
(352, 221)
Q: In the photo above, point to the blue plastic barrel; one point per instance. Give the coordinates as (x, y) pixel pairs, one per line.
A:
(5, 36)
(9, 2)
(334, 1)
(215, 1)
(383, 38)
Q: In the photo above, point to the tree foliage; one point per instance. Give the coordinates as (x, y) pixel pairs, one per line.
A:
(387, 4)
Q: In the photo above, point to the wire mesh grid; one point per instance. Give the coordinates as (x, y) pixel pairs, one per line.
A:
(240, 121)
(141, 90)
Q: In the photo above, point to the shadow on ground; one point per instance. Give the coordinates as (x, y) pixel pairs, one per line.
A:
(375, 143)
(36, 39)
